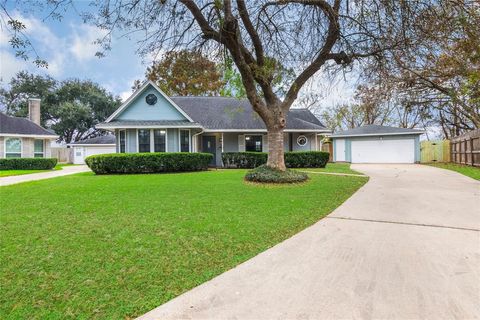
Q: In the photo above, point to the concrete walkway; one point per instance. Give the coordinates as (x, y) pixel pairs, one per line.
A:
(5, 181)
(406, 246)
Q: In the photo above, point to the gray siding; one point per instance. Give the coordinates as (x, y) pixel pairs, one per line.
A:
(131, 140)
(172, 140)
(310, 146)
(230, 142)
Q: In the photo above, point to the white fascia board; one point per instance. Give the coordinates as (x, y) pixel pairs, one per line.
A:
(140, 90)
(147, 126)
(29, 136)
(377, 134)
(264, 130)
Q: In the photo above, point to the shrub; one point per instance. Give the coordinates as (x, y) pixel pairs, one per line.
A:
(246, 160)
(264, 174)
(249, 160)
(28, 163)
(307, 159)
(148, 162)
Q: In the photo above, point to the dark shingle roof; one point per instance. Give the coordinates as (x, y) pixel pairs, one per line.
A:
(15, 125)
(217, 113)
(370, 130)
(108, 139)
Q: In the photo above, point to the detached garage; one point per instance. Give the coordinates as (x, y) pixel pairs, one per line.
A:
(88, 147)
(377, 144)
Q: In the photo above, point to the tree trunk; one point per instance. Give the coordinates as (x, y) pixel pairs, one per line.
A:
(275, 148)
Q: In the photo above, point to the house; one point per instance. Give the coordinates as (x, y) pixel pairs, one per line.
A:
(377, 144)
(25, 138)
(88, 147)
(150, 121)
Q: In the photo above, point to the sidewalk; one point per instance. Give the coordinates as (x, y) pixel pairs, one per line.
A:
(6, 181)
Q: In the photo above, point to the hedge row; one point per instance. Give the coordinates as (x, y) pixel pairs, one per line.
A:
(248, 160)
(27, 163)
(148, 162)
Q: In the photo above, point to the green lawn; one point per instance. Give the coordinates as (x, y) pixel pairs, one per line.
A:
(114, 247)
(334, 168)
(8, 173)
(469, 171)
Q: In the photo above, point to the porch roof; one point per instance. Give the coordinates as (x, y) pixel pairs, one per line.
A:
(132, 124)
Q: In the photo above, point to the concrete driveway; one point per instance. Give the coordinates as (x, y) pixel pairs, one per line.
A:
(406, 246)
(65, 171)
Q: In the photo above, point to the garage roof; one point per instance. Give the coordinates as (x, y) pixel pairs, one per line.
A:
(376, 130)
(101, 140)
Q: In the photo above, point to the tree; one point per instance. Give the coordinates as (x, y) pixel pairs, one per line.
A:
(71, 108)
(186, 73)
(302, 35)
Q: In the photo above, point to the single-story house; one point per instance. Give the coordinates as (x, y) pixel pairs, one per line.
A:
(24, 137)
(150, 121)
(96, 145)
(377, 144)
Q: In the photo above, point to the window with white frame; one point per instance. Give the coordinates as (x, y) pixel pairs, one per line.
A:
(184, 140)
(159, 140)
(122, 141)
(39, 148)
(143, 140)
(13, 148)
(253, 143)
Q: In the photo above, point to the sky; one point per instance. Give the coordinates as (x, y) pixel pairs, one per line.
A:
(68, 47)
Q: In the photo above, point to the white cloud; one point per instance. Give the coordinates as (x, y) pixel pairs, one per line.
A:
(83, 46)
(10, 65)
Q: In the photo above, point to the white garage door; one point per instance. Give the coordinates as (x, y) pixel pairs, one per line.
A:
(80, 153)
(383, 151)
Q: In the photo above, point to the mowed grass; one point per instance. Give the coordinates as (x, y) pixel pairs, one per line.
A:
(9, 173)
(115, 247)
(469, 171)
(334, 167)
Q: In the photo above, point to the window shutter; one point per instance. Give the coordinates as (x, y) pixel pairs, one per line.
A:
(241, 143)
(265, 143)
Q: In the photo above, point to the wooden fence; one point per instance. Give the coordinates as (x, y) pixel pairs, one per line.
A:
(465, 149)
(63, 155)
(435, 151)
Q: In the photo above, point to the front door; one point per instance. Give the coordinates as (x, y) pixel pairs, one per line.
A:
(208, 146)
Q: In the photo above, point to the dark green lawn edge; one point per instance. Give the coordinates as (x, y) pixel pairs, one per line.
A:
(468, 171)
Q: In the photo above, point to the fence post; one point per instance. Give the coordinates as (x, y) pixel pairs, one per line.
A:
(471, 151)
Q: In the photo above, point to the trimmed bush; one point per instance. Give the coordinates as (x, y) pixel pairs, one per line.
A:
(307, 159)
(249, 160)
(148, 162)
(264, 174)
(28, 163)
(245, 160)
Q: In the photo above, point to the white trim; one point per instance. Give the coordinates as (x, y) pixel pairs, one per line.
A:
(189, 140)
(376, 134)
(43, 148)
(91, 145)
(222, 142)
(5, 147)
(263, 130)
(147, 126)
(140, 90)
(15, 135)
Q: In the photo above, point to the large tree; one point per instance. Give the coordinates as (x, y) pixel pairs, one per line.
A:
(263, 37)
(71, 108)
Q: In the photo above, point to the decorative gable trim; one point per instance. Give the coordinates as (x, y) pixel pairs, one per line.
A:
(140, 90)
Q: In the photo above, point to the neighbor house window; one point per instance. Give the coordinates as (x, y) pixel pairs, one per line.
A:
(253, 143)
(122, 141)
(38, 149)
(184, 140)
(13, 148)
(143, 140)
(159, 139)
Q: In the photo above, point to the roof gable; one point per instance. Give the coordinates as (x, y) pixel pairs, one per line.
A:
(136, 108)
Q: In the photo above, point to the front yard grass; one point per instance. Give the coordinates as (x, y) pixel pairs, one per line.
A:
(334, 167)
(9, 173)
(115, 247)
(469, 171)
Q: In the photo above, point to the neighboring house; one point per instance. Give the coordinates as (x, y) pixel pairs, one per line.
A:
(25, 138)
(88, 147)
(150, 121)
(377, 144)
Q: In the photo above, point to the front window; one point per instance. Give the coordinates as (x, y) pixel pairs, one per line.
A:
(13, 148)
(159, 140)
(38, 148)
(184, 141)
(123, 141)
(143, 140)
(253, 143)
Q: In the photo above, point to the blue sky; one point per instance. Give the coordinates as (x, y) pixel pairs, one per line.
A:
(68, 46)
